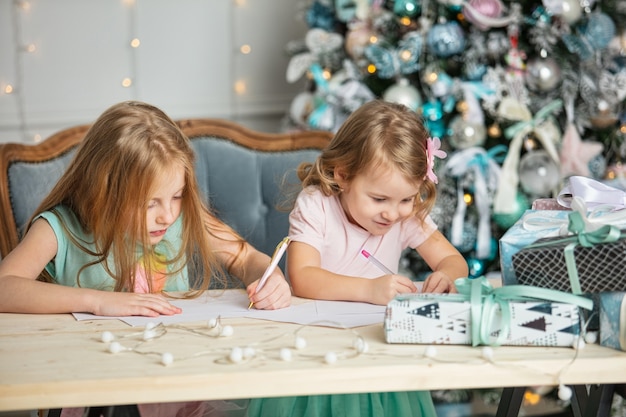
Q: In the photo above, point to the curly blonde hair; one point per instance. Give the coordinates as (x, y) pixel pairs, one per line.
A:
(378, 133)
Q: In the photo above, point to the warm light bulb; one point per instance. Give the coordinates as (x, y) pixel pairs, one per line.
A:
(24, 5)
(371, 68)
(240, 87)
(245, 49)
(127, 82)
(8, 89)
(30, 48)
(37, 138)
(531, 398)
(135, 43)
(326, 74)
(494, 131)
(405, 55)
(405, 21)
(240, 3)
(467, 198)
(373, 39)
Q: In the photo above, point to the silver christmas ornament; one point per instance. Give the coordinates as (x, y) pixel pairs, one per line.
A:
(464, 134)
(538, 173)
(542, 74)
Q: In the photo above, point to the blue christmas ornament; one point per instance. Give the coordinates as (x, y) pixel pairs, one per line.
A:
(598, 30)
(474, 71)
(446, 39)
(408, 8)
(320, 16)
(476, 267)
(595, 33)
(433, 118)
(506, 220)
(597, 166)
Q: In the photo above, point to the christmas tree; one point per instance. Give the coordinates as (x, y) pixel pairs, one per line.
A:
(523, 94)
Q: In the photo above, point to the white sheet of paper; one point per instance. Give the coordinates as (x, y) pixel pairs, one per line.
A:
(235, 304)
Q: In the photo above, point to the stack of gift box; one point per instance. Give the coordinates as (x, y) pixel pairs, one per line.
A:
(563, 268)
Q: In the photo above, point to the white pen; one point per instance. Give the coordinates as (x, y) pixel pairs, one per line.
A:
(276, 257)
(376, 262)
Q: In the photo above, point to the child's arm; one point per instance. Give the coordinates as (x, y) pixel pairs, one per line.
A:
(22, 293)
(309, 280)
(249, 264)
(445, 261)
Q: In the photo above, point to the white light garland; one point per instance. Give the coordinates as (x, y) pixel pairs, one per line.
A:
(235, 354)
(265, 351)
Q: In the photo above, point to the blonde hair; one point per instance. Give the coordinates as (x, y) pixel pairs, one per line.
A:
(108, 185)
(378, 133)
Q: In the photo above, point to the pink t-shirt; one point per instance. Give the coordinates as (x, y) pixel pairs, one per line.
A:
(320, 221)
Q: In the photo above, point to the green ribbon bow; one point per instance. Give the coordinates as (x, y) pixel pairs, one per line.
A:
(577, 225)
(486, 301)
(537, 119)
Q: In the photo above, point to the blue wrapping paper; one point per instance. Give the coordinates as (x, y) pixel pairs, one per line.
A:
(613, 320)
(518, 237)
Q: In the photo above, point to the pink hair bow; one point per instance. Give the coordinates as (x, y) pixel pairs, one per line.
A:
(433, 149)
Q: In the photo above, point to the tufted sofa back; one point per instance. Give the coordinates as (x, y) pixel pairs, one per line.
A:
(242, 173)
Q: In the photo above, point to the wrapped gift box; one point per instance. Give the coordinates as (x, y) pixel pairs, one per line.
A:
(548, 204)
(613, 320)
(444, 319)
(521, 235)
(599, 268)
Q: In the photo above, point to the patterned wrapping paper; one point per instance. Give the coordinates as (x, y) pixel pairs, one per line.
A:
(548, 204)
(518, 237)
(424, 319)
(613, 320)
(601, 267)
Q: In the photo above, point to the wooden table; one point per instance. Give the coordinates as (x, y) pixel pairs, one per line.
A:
(54, 361)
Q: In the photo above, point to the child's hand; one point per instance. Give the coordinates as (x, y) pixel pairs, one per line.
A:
(109, 303)
(275, 293)
(438, 282)
(385, 288)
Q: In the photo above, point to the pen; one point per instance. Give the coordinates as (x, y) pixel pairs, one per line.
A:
(276, 257)
(376, 262)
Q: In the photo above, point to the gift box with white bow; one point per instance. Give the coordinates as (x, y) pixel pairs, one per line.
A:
(482, 315)
(591, 258)
(598, 205)
(613, 320)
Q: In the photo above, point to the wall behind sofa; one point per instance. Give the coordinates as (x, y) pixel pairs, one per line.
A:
(68, 60)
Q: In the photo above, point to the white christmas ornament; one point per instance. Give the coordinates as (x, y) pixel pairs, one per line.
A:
(542, 74)
(538, 173)
(569, 10)
(403, 93)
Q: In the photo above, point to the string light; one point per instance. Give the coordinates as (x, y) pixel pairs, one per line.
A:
(240, 87)
(261, 350)
(134, 43)
(20, 7)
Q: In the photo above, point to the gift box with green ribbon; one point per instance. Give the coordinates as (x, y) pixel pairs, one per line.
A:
(482, 315)
(613, 320)
(597, 205)
(591, 259)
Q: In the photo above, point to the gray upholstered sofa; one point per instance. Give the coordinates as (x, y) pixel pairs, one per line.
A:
(241, 172)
